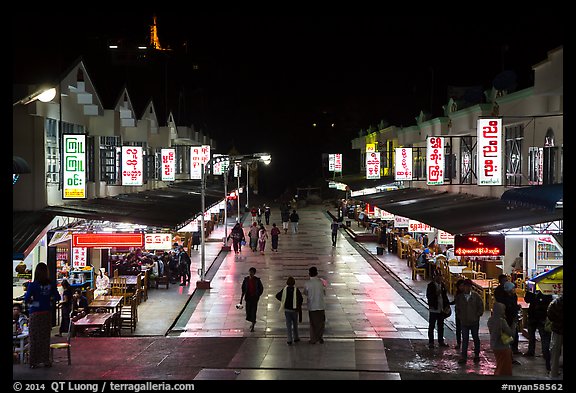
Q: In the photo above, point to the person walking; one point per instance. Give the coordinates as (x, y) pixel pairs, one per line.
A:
(291, 303)
(437, 297)
(469, 308)
(274, 235)
(237, 235)
(262, 237)
(496, 326)
(537, 310)
(252, 289)
(184, 263)
(41, 295)
(285, 219)
(253, 213)
(334, 228)
(267, 215)
(459, 290)
(294, 218)
(253, 235)
(259, 215)
(555, 314)
(315, 291)
(66, 307)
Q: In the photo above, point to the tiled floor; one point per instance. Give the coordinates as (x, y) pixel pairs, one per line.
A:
(376, 324)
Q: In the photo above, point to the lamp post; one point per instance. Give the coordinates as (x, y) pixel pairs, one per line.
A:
(266, 158)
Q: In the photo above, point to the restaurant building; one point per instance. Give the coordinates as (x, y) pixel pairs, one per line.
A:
(454, 194)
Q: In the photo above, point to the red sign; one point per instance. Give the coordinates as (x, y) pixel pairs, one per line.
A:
(108, 239)
(479, 245)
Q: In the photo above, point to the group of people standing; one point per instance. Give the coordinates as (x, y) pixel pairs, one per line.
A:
(291, 300)
(469, 309)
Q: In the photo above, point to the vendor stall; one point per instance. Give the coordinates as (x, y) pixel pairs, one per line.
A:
(549, 282)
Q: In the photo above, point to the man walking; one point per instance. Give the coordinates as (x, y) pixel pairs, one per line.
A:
(315, 291)
(334, 227)
(294, 218)
(469, 308)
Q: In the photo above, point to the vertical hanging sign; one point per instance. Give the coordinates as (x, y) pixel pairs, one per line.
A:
(132, 166)
(489, 152)
(331, 162)
(435, 161)
(338, 162)
(403, 163)
(195, 162)
(74, 168)
(373, 165)
(79, 257)
(168, 167)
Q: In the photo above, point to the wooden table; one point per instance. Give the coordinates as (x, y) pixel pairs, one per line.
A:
(131, 280)
(97, 320)
(483, 289)
(111, 303)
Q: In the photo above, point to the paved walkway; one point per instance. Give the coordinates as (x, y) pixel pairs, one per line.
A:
(376, 322)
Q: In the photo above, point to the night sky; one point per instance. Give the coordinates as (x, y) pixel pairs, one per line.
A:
(264, 80)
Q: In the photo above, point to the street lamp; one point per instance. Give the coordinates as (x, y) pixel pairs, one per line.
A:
(44, 95)
(266, 158)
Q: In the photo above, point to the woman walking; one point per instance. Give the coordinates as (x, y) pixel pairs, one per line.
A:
(41, 295)
(262, 237)
(253, 235)
(252, 289)
(274, 234)
(291, 303)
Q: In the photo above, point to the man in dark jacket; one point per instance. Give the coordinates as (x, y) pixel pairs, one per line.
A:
(556, 316)
(252, 289)
(437, 297)
(505, 293)
(536, 320)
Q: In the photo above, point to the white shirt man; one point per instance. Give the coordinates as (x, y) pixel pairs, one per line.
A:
(315, 291)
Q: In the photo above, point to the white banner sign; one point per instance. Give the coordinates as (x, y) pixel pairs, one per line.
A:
(79, 257)
(489, 152)
(132, 163)
(157, 241)
(435, 161)
(338, 162)
(196, 162)
(373, 165)
(74, 167)
(168, 166)
(444, 237)
(417, 226)
(401, 222)
(331, 162)
(403, 163)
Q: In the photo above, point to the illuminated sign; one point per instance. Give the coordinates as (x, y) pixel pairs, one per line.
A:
(338, 162)
(434, 161)
(331, 162)
(79, 257)
(401, 222)
(132, 166)
(417, 226)
(158, 241)
(489, 152)
(444, 237)
(74, 166)
(106, 240)
(196, 162)
(168, 167)
(403, 164)
(479, 245)
(373, 165)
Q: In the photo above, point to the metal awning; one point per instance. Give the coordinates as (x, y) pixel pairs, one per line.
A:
(544, 196)
(28, 227)
(168, 207)
(458, 213)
